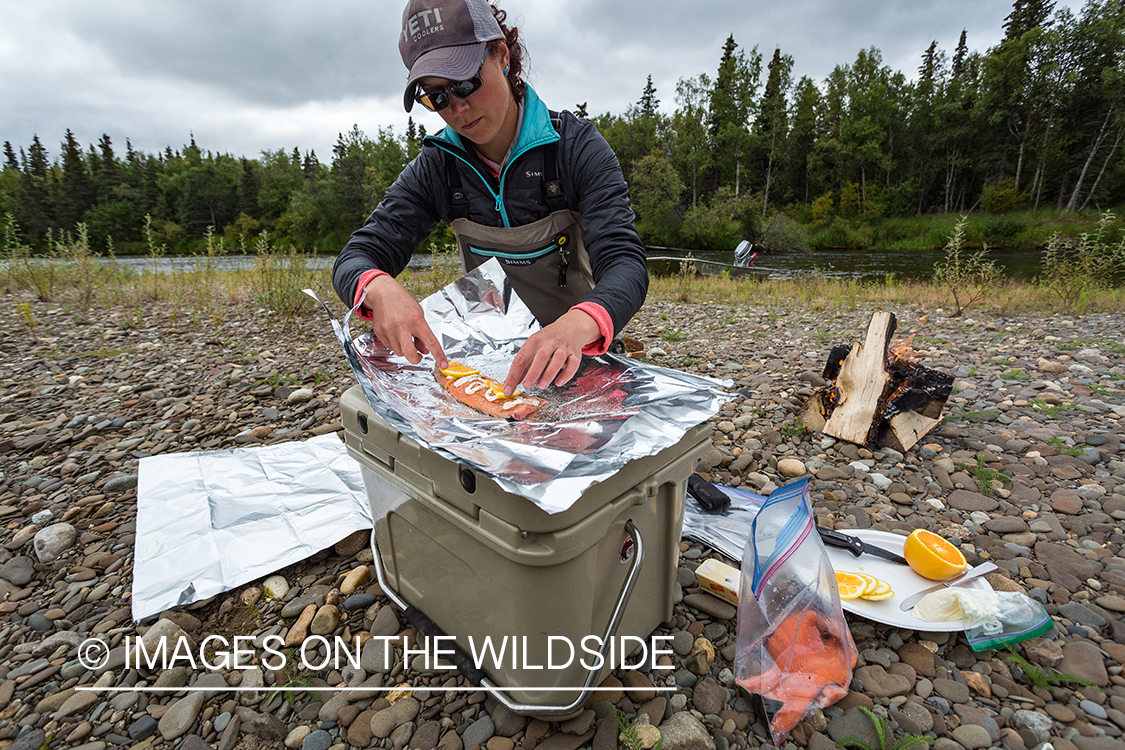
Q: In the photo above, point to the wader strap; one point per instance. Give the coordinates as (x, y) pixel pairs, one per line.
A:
(458, 203)
(553, 193)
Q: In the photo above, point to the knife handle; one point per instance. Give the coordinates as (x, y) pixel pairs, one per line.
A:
(836, 539)
(970, 574)
(708, 495)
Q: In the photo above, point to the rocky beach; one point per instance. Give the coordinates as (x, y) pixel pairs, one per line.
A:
(1027, 471)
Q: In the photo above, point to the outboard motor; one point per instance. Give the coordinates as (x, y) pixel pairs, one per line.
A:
(744, 255)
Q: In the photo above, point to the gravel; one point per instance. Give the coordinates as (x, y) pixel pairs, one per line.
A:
(1027, 472)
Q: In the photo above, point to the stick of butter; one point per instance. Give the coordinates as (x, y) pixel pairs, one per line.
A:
(718, 579)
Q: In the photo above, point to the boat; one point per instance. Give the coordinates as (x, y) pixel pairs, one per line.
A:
(671, 265)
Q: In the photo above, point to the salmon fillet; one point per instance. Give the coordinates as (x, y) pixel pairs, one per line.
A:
(485, 394)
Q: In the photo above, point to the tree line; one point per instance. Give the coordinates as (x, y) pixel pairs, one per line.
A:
(1035, 122)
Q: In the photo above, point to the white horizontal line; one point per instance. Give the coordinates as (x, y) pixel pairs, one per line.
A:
(395, 688)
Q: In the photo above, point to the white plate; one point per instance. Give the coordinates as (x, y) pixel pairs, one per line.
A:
(903, 580)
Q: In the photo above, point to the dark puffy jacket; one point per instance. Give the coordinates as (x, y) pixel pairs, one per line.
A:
(591, 179)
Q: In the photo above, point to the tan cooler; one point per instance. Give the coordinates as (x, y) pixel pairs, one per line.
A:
(477, 561)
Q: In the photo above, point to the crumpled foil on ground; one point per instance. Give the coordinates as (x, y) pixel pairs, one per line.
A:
(728, 529)
(615, 410)
(209, 521)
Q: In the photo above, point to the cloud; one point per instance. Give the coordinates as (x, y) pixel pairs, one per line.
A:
(253, 75)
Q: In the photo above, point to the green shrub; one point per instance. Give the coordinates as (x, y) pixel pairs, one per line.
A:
(278, 277)
(969, 277)
(782, 234)
(901, 199)
(1001, 197)
(25, 270)
(839, 234)
(723, 223)
(822, 207)
(1003, 230)
(1071, 271)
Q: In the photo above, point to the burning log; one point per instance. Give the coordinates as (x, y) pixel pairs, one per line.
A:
(877, 398)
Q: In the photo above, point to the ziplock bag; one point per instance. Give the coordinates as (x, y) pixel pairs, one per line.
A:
(794, 648)
(726, 529)
(997, 619)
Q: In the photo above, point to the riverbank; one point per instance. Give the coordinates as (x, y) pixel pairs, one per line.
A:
(1019, 231)
(1027, 472)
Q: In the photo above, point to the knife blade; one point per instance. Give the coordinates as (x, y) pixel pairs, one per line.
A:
(857, 546)
(968, 575)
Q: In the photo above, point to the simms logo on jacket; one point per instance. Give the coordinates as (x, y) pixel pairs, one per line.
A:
(422, 24)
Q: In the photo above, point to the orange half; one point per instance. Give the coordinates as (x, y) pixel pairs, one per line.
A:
(932, 557)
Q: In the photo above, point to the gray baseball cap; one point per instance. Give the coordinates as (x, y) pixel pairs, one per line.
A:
(444, 39)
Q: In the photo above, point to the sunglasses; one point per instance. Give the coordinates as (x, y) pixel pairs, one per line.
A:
(435, 101)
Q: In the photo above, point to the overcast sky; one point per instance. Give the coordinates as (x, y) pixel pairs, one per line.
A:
(250, 75)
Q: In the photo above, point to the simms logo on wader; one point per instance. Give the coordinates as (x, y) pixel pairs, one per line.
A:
(422, 23)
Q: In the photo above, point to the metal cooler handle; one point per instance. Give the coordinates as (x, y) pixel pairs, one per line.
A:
(466, 666)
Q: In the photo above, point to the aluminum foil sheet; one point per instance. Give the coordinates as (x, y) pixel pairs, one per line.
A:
(728, 529)
(212, 520)
(615, 410)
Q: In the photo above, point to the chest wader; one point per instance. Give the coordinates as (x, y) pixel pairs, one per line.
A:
(545, 261)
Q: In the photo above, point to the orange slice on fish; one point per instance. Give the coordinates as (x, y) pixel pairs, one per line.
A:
(458, 370)
(498, 391)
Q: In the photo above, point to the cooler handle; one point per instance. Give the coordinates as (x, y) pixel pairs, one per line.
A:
(423, 623)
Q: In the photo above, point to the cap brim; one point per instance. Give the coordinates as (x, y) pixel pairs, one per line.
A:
(452, 63)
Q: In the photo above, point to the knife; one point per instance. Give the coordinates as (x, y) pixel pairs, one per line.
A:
(857, 546)
(708, 495)
(968, 575)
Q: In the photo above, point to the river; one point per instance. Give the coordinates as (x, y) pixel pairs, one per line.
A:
(869, 264)
(859, 264)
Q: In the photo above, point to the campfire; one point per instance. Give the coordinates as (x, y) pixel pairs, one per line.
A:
(878, 395)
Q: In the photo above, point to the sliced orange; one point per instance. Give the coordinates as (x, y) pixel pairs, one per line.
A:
(851, 585)
(932, 557)
(876, 597)
(458, 370)
(879, 590)
(872, 583)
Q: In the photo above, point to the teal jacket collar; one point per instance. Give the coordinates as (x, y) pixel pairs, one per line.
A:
(536, 131)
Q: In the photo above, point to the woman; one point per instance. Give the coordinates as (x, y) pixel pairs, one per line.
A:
(540, 191)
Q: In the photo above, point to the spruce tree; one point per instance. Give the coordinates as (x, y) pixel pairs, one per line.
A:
(10, 157)
(959, 55)
(648, 102)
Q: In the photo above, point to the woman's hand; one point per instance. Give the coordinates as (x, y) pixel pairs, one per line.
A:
(553, 353)
(397, 319)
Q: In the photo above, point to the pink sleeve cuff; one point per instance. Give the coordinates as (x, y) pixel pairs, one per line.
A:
(605, 325)
(361, 287)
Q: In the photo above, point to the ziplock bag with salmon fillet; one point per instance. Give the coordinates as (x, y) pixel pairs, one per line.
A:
(794, 647)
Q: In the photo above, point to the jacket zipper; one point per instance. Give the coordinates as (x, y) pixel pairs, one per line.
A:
(533, 255)
(560, 245)
(504, 173)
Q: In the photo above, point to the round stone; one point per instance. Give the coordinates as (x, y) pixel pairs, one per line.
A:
(972, 736)
(790, 467)
(19, 570)
(1093, 709)
(318, 740)
(53, 541)
(120, 484)
(359, 601)
(276, 587)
